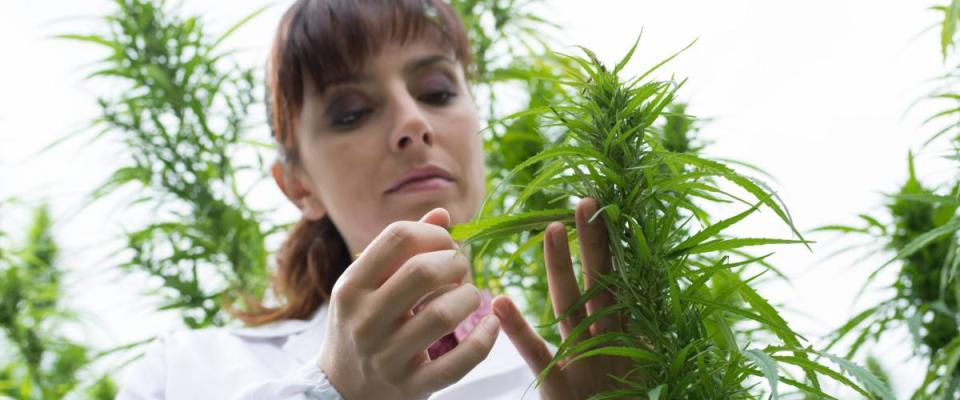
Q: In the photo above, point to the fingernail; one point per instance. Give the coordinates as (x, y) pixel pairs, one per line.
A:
(559, 238)
(491, 322)
(589, 210)
(500, 307)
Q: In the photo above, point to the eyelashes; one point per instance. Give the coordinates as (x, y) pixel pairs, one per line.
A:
(352, 118)
(438, 98)
(349, 119)
(347, 108)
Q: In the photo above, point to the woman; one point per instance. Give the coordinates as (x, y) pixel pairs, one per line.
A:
(378, 136)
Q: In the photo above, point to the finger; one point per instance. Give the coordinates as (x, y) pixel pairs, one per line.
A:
(530, 345)
(392, 247)
(596, 261)
(436, 319)
(564, 291)
(453, 365)
(437, 216)
(419, 276)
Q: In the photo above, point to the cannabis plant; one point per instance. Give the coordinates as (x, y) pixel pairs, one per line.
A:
(36, 360)
(922, 236)
(509, 41)
(676, 276)
(183, 112)
(918, 232)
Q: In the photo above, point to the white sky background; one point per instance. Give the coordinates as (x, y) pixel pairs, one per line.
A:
(815, 92)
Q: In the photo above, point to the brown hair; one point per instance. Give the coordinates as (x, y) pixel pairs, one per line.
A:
(326, 40)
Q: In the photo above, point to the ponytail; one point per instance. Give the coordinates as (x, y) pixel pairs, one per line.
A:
(309, 263)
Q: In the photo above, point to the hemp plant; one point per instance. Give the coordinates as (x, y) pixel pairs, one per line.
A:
(36, 360)
(686, 309)
(509, 40)
(918, 233)
(922, 237)
(183, 113)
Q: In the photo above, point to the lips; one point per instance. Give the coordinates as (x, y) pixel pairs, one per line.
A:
(426, 177)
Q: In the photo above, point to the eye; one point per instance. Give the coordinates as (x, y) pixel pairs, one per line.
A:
(348, 109)
(438, 98)
(348, 119)
(436, 87)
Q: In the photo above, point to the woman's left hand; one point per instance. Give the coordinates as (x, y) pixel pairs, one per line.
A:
(587, 376)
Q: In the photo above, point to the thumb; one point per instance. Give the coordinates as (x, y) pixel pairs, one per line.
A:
(437, 216)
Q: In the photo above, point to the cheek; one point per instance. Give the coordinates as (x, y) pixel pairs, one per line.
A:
(334, 165)
(478, 158)
(464, 137)
(467, 148)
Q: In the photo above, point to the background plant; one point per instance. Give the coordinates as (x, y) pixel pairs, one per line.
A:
(685, 313)
(182, 110)
(36, 360)
(917, 232)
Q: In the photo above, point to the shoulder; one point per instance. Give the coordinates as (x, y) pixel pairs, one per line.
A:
(231, 344)
(212, 358)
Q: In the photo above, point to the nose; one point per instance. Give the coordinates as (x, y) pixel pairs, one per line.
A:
(411, 128)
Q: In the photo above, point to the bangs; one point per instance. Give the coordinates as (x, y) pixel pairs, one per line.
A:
(329, 40)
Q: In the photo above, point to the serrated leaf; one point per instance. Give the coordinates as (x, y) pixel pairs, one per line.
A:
(482, 229)
(768, 366)
(870, 381)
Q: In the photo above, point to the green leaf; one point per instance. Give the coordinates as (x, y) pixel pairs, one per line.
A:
(711, 231)
(633, 353)
(626, 59)
(768, 366)
(654, 394)
(96, 39)
(807, 364)
(762, 307)
(925, 239)
(949, 27)
(120, 177)
(870, 381)
(747, 184)
(729, 244)
(482, 229)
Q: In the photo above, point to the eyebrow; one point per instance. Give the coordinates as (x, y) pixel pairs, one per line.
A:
(424, 62)
(341, 80)
(409, 68)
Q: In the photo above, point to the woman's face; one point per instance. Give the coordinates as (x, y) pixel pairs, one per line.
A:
(394, 141)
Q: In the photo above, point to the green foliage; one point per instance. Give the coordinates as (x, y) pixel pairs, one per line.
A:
(511, 48)
(182, 110)
(922, 238)
(509, 41)
(678, 288)
(948, 29)
(922, 241)
(36, 360)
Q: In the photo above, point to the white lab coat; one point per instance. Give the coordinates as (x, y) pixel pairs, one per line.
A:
(277, 362)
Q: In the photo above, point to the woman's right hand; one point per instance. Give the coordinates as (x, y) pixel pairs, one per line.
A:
(376, 347)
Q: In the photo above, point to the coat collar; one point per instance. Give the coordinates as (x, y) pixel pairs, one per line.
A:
(282, 328)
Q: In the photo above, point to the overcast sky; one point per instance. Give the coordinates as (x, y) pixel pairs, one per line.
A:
(815, 92)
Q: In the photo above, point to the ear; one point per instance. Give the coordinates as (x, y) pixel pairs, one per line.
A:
(292, 184)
